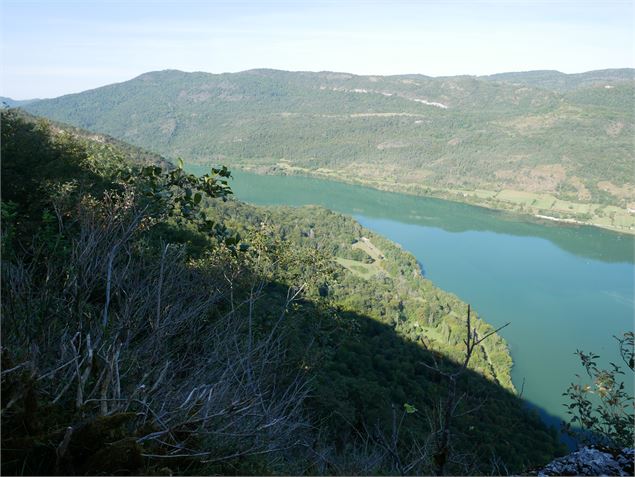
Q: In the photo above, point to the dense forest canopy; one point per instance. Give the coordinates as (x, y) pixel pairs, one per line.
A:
(153, 324)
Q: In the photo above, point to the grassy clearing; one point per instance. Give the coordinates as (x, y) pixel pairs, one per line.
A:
(519, 197)
(623, 220)
(484, 194)
(543, 203)
(604, 221)
(573, 207)
(367, 246)
(363, 270)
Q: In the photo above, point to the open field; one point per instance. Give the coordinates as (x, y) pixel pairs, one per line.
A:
(367, 246)
(361, 269)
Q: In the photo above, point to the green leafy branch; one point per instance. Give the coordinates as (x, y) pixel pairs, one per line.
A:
(603, 409)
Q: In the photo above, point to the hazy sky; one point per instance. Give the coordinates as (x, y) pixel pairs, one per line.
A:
(54, 47)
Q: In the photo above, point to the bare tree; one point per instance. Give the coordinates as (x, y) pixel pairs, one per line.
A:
(448, 409)
(403, 459)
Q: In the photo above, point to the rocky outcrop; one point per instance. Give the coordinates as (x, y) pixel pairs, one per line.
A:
(592, 461)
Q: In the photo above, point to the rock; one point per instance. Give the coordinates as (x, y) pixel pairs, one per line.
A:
(592, 461)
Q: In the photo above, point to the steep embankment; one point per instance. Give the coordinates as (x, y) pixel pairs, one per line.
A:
(378, 279)
(540, 143)
(142, 336)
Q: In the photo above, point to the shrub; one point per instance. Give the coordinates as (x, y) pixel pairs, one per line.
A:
(603, 410)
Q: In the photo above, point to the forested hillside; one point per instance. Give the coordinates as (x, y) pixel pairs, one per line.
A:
(557, 81)
(542, 143)
(14, 103)
(152, 324)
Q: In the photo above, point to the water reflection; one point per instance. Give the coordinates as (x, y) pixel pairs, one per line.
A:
(583, 241)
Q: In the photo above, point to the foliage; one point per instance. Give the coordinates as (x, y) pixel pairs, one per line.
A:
(176, 195)
(603, 410)
(555, 80)
(136, 339)
(100, 373)
(392, 323)
(534, 132)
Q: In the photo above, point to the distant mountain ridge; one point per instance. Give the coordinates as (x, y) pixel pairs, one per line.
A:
(541, 142)
(552, 79)
(15, 103)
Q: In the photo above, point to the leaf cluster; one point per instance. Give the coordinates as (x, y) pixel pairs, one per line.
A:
(602, 411)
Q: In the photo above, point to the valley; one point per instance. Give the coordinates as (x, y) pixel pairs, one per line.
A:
(539, 143)
(537, 205)
(315, 324)
(562, 288)
(317, 238)
(454, 190)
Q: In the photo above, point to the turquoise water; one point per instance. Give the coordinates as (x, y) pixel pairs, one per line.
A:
(562, 288)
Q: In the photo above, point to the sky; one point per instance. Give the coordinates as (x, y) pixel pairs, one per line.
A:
(50, 48)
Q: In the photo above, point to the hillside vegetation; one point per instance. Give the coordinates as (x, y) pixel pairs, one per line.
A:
(151, 324)
(557, 81)
(542, 143)
(14, 103)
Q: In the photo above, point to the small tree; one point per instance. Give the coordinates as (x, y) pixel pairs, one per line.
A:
(448, 409)
(603, 411)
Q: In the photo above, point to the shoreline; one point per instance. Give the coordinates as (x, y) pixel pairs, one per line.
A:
(517, 357)
(443, 194)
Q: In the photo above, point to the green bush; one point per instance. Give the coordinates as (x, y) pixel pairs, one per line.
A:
(602, 411)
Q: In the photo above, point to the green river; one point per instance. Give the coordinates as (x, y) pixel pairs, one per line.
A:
(562, 288)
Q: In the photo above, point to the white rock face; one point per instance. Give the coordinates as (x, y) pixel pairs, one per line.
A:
(591, 461)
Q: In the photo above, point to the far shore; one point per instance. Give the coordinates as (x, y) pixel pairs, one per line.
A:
(444, 194)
